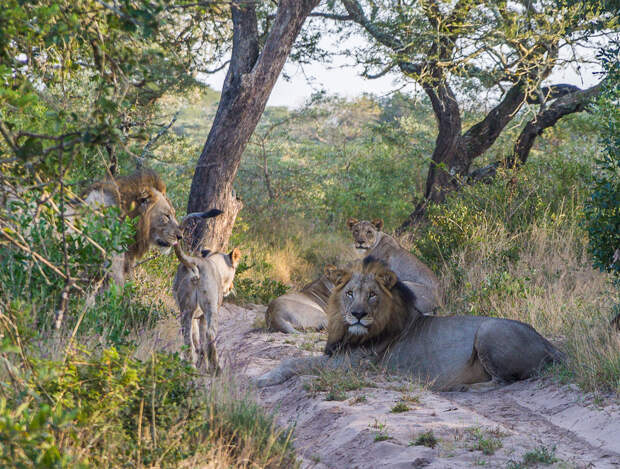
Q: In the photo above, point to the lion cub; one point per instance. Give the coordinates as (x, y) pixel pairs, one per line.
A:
(199, 286)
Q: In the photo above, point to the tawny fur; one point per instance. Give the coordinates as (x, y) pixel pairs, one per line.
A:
(372, 317)
(302, 310)
(140, 195)
(369, 240)
(199, 287)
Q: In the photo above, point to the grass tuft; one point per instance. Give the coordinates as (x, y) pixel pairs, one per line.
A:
(427, 439)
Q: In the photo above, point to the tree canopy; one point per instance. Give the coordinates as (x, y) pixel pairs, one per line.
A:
(496, 50)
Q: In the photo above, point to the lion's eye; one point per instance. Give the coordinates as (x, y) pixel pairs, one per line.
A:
(165, 218)
(369, 232)
(349, 294)
(371, 294)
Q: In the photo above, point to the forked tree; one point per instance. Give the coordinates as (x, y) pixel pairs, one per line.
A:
(506, 49)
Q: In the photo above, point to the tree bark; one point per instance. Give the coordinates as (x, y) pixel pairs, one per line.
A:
(574, 101)
(248, 84)
(567, 104)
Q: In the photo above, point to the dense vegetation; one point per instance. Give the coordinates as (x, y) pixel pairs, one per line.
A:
(74, 389)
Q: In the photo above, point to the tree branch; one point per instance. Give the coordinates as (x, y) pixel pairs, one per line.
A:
(331, 16)
(567, 104)
(356, 12)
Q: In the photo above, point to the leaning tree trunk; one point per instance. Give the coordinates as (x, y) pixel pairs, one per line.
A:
(247, 87)
(454, 152)
(445, 156)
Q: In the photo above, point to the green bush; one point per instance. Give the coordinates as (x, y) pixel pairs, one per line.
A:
(602, 210)
(23, 275)
(546, 191)
(110, 410)
(119, 312)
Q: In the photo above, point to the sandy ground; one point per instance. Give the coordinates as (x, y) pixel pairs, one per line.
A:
(362, 431)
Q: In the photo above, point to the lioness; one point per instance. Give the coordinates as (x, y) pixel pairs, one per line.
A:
(199, 287)
(143, 195)
(371, 241)
(371, 316)
(302, 310)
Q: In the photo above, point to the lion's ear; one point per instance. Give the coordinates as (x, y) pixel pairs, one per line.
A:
(387, 278)
(377, 223)
(145, 198)
(351, 222)
(235, 256)
(334, 274)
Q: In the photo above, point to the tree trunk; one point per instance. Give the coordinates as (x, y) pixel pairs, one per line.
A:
(247, 87)
(567, 104)
(440, 175)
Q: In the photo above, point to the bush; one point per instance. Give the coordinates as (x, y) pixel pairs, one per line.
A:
(119, 312)
(602, 210)
(110, 410)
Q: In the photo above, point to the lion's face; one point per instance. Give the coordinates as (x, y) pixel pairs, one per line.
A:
(364, 299)
(365, 233)
(163, 228)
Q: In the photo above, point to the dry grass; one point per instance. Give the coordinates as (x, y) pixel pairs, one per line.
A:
(296, 258)
(288, 263)
(549, 284)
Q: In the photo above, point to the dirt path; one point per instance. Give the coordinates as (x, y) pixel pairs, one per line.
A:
(490, 429)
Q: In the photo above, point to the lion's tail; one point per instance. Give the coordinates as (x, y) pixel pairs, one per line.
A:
(186, 261)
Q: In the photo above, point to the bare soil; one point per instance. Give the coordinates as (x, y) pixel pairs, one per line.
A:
(491, 429)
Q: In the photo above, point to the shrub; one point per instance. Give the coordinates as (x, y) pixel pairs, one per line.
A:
(602, 210)
(110, 410)
(118, 312)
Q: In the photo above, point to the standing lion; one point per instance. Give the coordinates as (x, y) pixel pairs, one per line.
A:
(140, 195)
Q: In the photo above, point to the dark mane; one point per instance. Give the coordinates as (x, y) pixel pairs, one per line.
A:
(371, 264)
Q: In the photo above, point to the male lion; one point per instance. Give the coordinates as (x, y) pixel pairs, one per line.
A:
(371, 241)
(143, 195)
(371, 315)
(302, 310)
(199, 287)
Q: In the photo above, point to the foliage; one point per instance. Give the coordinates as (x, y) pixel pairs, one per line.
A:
(110, 410)
(329, 161)
(602, 210)
(509, 204)
(337, 383)
(257, 291)
(425, 439)
(30, 274)
(541, 455)
(486, 441)
(118, 312)
(399, 407)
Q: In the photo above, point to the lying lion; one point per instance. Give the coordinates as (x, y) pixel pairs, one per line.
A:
(372, 316)
(300, 311)
(369, 240)
(199, 287)
(142, 195)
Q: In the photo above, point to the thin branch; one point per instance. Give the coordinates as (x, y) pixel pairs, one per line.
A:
(379, 74)
(152, 141)
(27, 250)
(215, 70)
(6, 133)
(331, 16)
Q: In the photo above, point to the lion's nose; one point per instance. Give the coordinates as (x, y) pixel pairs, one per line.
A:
(358, 314)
